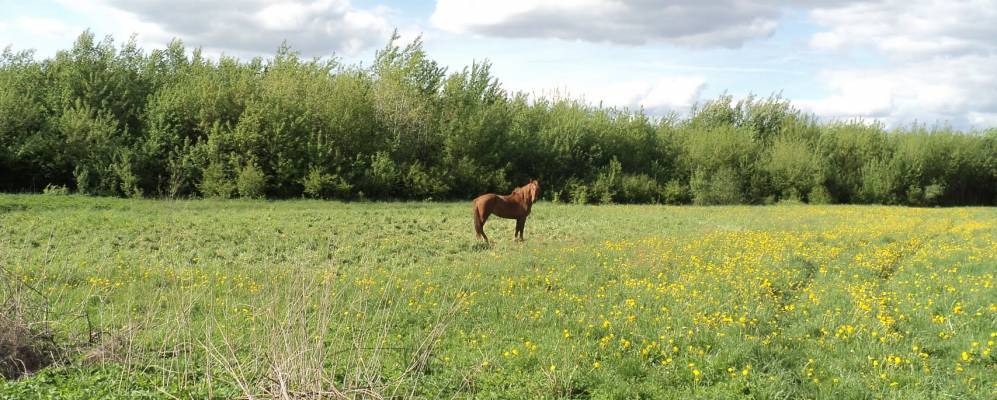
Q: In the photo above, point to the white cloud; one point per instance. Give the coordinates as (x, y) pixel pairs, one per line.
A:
(694, 23)
(656, 96)
(909, 29)
(979, 119)
(940, 61)
(41, 26)
(857, 96)
(957, 90)
(676, 93)
(250, 27)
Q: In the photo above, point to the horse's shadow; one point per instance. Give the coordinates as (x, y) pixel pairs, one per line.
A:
(491, 245)
(481, 246)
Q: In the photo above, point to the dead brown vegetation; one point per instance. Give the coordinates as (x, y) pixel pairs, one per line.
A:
(27, 342)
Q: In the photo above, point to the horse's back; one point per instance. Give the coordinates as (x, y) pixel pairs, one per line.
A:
(485, 198)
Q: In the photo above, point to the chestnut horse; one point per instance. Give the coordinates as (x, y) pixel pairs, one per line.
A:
(516, 206)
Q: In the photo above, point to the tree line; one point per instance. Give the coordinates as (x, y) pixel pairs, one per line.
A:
(109, 119)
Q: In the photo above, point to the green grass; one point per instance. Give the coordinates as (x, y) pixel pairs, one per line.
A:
(198, 299)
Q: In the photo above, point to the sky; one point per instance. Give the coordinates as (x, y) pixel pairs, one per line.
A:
(894, 61)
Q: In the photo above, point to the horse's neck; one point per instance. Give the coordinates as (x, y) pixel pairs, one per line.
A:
(527, 202)
(520, 195)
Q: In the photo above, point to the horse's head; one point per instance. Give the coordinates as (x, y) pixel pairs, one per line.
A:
(534, 190)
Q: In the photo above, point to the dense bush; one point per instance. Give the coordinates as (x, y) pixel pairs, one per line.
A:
(251, 183)
(109, 119)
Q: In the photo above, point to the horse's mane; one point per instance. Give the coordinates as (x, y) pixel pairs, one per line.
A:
(521, 189)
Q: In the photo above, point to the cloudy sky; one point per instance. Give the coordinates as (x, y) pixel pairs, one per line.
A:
(897, 61)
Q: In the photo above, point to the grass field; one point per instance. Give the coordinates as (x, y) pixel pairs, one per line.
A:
(194, 299)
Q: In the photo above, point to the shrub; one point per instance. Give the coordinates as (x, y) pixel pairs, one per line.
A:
(318, 184)
(578, 192)
(469, 179)
(721, 187)
(933, 193)
(925, 196)
(819, 195)
(792, 166)
(879, 182)
(638, 189)
(252, 183)
(55, 190)
(604, 189)
(422, 183)
(381, 178)
(674, 192)
(84, 180)
(127, 180)
(216, 183)
(790, 196)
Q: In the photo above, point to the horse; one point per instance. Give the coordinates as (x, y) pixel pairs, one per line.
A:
(516, 205)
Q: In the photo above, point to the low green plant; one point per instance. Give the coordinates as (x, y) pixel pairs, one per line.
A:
(251, 183)
(55, 190)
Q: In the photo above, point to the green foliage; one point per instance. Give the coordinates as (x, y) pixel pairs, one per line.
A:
(675, 192)
(382, 176)
(607, 184)
(721, 186)
(880, 182)
(638, 189)
(111, 119)
(216, 182)
(578, 192)
(422, 183)
(55, 190)
(318, 184)
(107, 380)
(251, 182)
(819, 195)
(925, 196)
(792, 167)
(129, 183)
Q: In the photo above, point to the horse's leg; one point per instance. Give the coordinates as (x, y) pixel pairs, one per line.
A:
(520, 224)
(480, 216)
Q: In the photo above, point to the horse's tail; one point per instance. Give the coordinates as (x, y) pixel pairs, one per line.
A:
(479, 220)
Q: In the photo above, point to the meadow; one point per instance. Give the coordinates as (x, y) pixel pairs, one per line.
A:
(311, 299)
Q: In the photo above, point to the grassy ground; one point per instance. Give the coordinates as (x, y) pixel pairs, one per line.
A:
(196, 299)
